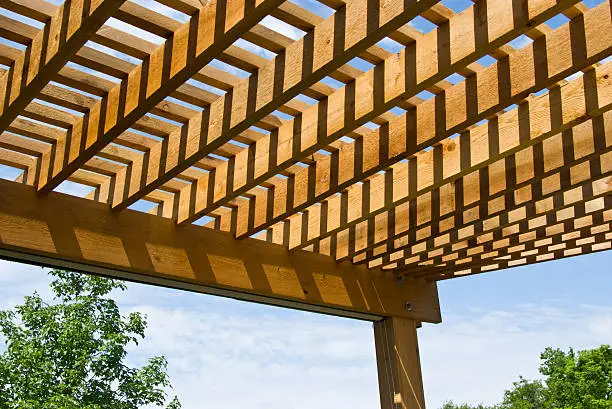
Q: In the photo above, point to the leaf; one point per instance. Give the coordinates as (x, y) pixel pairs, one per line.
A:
(70, 352)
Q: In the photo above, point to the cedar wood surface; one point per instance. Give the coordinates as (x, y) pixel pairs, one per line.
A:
(394, 190)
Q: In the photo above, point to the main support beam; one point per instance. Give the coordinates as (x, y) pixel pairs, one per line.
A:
(399, 368)
(64, 231)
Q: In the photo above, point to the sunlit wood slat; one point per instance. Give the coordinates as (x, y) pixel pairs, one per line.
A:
(374, 92)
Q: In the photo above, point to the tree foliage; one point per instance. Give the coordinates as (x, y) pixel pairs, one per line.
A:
(452, 405)
(572, 380)
(526, 394)
(580, 380)
(70, 353)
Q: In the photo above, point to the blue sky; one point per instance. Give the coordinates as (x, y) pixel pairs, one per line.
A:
(230, 354)
(235, 354)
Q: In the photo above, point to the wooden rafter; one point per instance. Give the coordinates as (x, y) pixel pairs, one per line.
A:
(463, 104)
(205, 133)
(329, 45)
(65, 30)
(488, 145)
(193, 45)
(399, 76)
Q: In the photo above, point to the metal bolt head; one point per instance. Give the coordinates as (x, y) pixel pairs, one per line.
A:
(408, 306)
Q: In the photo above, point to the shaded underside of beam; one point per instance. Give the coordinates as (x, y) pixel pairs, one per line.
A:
(58, 230)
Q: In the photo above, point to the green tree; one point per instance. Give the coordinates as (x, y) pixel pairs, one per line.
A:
(452, 405)
(580, 380)
(70, 353)
(526, 394)
(572, 380)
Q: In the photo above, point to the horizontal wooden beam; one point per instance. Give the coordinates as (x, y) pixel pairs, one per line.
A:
(539, 175)
(62, 35)
(208, 32)
(568, 242)
(64, 231)
(330, 44)
(453, 158)
(429, 60)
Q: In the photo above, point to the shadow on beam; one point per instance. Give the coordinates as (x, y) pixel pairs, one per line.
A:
(62, 231)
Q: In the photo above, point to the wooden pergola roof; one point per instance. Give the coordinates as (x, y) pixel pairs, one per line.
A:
(344, 169)
(455, 153)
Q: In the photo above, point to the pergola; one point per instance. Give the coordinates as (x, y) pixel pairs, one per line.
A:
(344, 170)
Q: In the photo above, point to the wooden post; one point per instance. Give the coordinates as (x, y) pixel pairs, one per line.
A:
(399, 367)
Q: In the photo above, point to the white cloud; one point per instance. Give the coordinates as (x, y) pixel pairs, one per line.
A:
(281, 27)
(474, 357)
(304, 361)
(17, 280)
(263, 361)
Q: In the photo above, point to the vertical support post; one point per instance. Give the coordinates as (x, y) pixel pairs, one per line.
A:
(399, 366)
